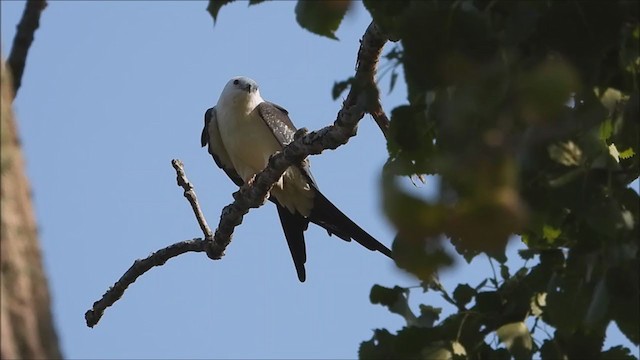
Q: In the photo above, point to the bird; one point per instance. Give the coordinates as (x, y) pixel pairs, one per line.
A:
(242, 131)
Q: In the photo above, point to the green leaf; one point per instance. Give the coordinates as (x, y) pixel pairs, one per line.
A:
(438, 351)
(622, 286)
(538, 303)
(367, 350)
(410, 141)
(395, 299)
(599, 304)
(613, 151)
(527, 254)
(386, 14)
(322, 17)
(551, 351)
(626, 154)
(381, 346)
(489, 303)
(566, 153)
(214, 6)
(412, 217)
(458, 349)
(428, 316)
(504, 272)
(340, 86)
(610, 99)
(606, 130)
(386, 296)
(516, 337)
(463, 294)
(255, 2)
(411, 341)
(550, 233)
(617, 353)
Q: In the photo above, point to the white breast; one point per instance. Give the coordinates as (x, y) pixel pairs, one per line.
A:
(250, 143)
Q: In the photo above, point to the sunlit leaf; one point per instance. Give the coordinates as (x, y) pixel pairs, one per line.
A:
(550, 233)
(437, 352)
(566, 153)
(610, 99)
(606, 129)
(613, 151)
(516, 337)
(626, 154)
(538, 303)
(458, 349)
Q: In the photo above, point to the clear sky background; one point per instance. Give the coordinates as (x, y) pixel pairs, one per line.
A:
(112, 92)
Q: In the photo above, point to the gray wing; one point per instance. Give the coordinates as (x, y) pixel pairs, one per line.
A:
(293, 224)
(211, 136)
(277, 120)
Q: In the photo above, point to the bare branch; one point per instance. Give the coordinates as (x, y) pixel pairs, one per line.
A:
(366, 68)
(363, 96)
(22, 41)
(138, 268)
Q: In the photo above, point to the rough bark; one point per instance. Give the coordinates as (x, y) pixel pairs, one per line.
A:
(26, 323)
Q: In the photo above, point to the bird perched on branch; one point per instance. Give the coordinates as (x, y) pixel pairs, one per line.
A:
(243, 131)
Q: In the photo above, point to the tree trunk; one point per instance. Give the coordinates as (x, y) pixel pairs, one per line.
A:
(26, 323)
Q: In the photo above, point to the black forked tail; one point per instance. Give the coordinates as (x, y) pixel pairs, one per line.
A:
(328, 216)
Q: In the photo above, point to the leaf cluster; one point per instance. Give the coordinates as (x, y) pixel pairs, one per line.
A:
(527, 111)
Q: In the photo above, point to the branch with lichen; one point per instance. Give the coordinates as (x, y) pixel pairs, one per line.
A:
(362, 98)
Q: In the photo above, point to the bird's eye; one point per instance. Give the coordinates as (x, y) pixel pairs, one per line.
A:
(236, 82)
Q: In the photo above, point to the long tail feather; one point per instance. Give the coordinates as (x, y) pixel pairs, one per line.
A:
(294, 226)
(328, 216)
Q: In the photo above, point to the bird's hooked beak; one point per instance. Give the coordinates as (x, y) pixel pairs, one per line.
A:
(248, 87)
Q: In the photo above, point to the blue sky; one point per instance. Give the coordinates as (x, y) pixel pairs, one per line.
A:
(112, 92)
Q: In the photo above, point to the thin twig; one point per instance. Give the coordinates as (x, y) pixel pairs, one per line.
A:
(138, 268)
(190, 194)
(22, 41)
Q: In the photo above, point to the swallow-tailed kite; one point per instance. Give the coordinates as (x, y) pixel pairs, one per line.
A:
(243, 131)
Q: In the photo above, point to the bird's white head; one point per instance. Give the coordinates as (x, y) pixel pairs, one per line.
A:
(240, 90)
